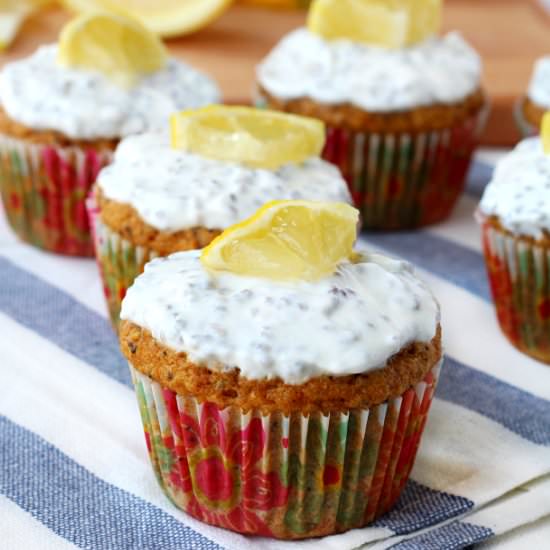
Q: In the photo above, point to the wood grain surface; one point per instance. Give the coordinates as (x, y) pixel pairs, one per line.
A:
(509, 34)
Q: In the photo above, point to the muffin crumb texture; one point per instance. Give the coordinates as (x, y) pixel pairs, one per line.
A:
(325, 394)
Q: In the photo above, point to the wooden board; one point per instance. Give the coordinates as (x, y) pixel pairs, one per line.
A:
(509, 34)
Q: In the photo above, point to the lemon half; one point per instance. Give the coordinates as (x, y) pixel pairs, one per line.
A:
(286, 240)
(163, 17)
(255, 137)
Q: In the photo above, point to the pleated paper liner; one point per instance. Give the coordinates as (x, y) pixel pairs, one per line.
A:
(405, 180)
(119, 261)
(44, 189)
(519, 276)
(288, 477)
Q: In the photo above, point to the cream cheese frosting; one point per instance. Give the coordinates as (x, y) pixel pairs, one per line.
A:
(539, 87)
(439, 70)
(84, 104)
(350, 322)
(172, 189)
(519, 192)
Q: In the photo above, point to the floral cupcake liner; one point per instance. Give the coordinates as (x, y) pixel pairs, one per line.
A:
(404, 180)
(519, 276)
(288, 477)
(44, 189)
(119, 261)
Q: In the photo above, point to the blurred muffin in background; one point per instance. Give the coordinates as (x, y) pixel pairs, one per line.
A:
(403, 107)
(536, 102)
(515, 217)
(64, 109)
(161, 196)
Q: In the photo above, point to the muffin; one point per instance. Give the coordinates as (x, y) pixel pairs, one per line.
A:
(61, 121)
(536, 102)
(156, 199)
(282, 406)
(515, 218)
(402, 121)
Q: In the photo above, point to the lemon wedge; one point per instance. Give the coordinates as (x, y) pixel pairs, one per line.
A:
(163, 17)
(255, 137)
(286, 240)
(545, 132)
(118, 46)
(384, 23)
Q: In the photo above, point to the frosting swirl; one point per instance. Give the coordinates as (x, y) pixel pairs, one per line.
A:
(350, 322)
(519, 192)
(439, 70)
(172, 189)
(539, 87)
(84, 104)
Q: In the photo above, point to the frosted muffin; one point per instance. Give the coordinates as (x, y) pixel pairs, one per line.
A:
(515, 217)
(156, 198)
(403, 113)
(60, 120)
(283, 402)
(536, 102)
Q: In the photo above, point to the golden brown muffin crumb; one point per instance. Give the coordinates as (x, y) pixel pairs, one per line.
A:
(494, 222)
(11, 128)
(532, 112)
(324, 394)
(125, 220)
(346, 115)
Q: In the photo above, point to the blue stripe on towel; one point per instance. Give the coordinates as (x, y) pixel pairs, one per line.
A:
(78, 330)
(62, 319)
(522, 413)
(479, 176)
(452, 536)
(451, 261)
(79, 506)
(419, 507)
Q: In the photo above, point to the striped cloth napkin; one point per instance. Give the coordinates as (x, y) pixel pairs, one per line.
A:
(73, 466)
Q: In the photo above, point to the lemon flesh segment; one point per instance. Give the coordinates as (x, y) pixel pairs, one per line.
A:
(545, 132)
(115, 45)
(257, 138)
(384, 23)
(162, 17)
(286, 240)
(360, 21)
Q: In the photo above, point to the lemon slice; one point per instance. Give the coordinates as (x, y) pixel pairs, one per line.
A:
(545, 132)
(163, 17)
(286, 240)
(119, 47)
(384, 23)
(259, 138)
(359, 21)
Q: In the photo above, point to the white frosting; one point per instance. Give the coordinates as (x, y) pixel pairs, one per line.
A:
(82, 104)
(348, 323)
(439, 70)
(539, 87)
(519, 192)
(172, 189)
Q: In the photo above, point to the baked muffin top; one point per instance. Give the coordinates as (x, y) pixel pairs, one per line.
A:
(350, 322)
(439, 70)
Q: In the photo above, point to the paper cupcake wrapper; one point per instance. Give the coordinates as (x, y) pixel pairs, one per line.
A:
(519, 276)
(288, 477)
(44, 189)
(403, 180)
(119, 261)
